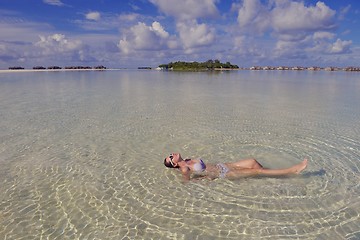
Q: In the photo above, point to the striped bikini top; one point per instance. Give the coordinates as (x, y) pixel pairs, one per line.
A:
(199, 166)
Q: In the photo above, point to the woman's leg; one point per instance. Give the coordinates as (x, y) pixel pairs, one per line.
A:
(246, 163)
(296, 169)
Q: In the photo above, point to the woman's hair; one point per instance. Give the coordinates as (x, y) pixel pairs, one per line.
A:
(168, 164)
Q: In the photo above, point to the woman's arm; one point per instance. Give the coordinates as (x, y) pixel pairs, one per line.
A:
(186, 173)
(202, 177)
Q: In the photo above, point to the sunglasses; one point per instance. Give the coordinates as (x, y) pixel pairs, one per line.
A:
(171, 159)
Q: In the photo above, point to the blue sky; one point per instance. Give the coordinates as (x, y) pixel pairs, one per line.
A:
(132, 33)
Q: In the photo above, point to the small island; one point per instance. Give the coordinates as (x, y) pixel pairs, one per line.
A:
(197, 66)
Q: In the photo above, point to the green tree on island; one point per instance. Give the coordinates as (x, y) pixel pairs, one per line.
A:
(208, 65)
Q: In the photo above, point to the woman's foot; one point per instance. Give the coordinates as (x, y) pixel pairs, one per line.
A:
(301, 166)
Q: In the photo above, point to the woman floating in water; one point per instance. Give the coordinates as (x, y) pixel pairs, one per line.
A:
(241, 168)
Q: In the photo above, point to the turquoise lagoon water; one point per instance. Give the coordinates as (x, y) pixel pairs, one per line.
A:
(81, 154)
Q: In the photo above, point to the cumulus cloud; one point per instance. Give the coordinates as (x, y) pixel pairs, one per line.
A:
(254, 16)
(285, 17)
(159, 30)
(340, 47)
(299, 30)
(187, 9)
(95, 16)
(190, 33)
(312, 46)
(17, 38)
(194, 35)
(246, 47)
(295, 16)
(143, 37)
(57, 43)
(48, 49)
(292, 49)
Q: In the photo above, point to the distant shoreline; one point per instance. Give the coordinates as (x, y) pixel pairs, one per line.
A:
(57, 70)
(215, 69)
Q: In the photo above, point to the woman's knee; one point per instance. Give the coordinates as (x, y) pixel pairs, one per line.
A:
(256, 164)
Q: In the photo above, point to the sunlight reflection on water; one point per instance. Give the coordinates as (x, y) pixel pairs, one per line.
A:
(81, 154)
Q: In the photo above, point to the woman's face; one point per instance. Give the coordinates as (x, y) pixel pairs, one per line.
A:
(173, 159)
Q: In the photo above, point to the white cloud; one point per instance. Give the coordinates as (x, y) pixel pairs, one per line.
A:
(299, 31)
(194, 35)
(54, 2)
(57, 43)
(143, 37)
(285, 17)
(187, 9)
(312, 47)
(159, 30)
(191, 34)
(239, 43)
(49, 49)
(93, 16)
(287, 51)
(125, 46)
(340, 47)
(17, 37)
(253, 16)
(247, 47)
(295, 16)
(323, 35)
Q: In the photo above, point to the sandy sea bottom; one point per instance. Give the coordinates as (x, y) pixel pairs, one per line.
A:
(81, 154)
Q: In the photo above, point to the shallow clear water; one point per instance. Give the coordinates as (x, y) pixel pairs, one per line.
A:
(81, 154)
